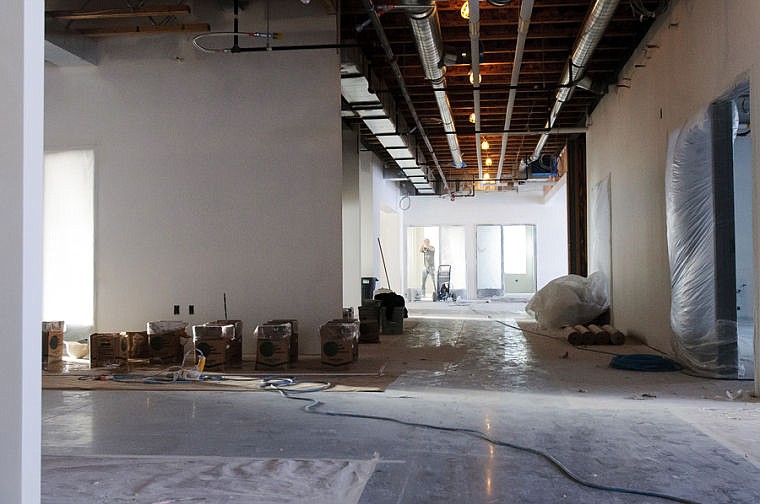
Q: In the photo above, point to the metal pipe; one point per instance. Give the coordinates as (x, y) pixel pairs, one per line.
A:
(474, 7)
(526, 12)
(423, 18)
(402, 85)
(593, 30)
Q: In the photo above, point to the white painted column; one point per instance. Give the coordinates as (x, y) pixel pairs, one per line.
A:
(21, 148)
(367, 204)
(755, 112)
(351, 213)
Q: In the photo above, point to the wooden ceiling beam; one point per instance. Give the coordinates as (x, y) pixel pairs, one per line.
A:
(157, 11)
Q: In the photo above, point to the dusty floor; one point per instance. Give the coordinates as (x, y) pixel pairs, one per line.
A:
(668, 433)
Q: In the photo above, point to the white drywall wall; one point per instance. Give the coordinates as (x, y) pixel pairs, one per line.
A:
(21, 75)
(377, 195)
(215, 174)
(703, 48)
(352, 268)
(507, 207)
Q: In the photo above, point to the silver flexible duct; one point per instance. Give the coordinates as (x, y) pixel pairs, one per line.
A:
(593, 30)
(427, 35)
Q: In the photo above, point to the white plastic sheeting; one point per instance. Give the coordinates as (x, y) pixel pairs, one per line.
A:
(164, 479)
(570, 300)
(691, 249)
(600, 224)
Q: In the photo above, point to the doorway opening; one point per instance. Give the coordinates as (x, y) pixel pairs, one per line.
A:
(710, 242)
(68, 248)
(448, 243)
(506, 259)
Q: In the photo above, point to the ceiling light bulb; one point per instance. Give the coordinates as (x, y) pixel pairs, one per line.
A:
(472, 77)
(486, 175)
(465, 10)
(489, 162)
(485, 145)
(472, 117)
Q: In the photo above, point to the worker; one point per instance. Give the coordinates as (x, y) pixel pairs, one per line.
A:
(428, 252)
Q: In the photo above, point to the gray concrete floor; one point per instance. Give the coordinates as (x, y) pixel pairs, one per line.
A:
(662, 432)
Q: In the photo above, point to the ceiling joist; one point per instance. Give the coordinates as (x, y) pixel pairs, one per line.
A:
(152, 11)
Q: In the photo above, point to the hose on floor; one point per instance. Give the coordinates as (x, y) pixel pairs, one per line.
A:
(313, 406)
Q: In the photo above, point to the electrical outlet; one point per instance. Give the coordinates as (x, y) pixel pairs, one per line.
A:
(191, 309)
(176, 309)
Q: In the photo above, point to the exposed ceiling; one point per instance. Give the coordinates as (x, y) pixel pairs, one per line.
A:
(554, 28)
(390, 58)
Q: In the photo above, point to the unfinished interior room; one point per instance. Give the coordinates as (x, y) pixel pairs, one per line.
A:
(344, 251)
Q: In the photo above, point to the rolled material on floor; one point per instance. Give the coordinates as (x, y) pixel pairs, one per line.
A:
(616, 337)
(601, 336)
(587, 337)
(572, 336)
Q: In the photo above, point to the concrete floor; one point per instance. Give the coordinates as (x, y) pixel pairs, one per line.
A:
(662, 432)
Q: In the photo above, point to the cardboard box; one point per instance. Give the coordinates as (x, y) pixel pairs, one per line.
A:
(138, 344)
(107, 349)
(273, 344)
(229, 330)
(340, 342)
(293, 351)
(215, 351)
(166, 348)
(166, 341)
(52, 343)
(214, 342)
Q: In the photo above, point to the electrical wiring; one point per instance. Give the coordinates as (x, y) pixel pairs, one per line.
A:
(196, 40)
(314, 404)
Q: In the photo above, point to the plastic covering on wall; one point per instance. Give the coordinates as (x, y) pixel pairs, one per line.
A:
(691, 250)
(600, 225)
(570, 300)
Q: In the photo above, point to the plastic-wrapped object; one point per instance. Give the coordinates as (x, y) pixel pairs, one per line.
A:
(570, 300)
(340, 342)
(273, 344)
(703, 338)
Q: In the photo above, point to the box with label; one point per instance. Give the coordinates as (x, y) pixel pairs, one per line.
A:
(138, 344)
(234, 348)
(272, 345)
(108, 349)
(214, 350)
(166, 341)
(214, 342)
(340, 342)
(293, 351)
(52, 342)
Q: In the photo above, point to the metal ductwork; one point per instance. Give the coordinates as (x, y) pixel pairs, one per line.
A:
(526, 12)
(423, 18)
(575, 69)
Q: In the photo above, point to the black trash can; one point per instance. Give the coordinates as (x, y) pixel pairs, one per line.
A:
(368, 287)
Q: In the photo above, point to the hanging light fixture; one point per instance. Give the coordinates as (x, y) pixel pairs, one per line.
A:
(464, 11)
(472, 117)
(489, 162)
(484, 144)
(472, 77)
